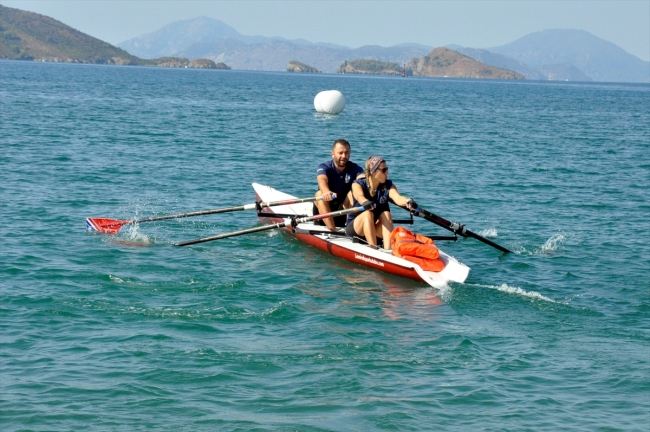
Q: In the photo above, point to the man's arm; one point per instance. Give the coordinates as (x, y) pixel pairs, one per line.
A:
(324, 188)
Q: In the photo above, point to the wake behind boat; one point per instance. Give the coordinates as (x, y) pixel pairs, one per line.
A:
(352, 249)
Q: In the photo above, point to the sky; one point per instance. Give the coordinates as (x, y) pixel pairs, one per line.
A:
(354, 23)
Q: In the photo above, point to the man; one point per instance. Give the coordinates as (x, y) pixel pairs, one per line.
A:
(335, 177)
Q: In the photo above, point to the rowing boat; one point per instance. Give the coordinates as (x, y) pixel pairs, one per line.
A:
(352, 249)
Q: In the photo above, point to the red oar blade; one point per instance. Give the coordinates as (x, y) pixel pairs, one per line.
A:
(105, 225)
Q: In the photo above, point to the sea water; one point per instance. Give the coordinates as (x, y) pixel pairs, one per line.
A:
(262, 332)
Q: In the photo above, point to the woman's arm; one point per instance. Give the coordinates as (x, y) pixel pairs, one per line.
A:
(400, 200)
(357, 193)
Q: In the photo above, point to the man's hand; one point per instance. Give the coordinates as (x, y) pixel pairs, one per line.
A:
(329, 196)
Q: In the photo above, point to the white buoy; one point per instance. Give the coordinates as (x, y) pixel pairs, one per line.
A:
(329, 102)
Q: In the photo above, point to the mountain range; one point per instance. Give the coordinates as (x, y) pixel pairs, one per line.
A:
(573, 55)
(209, 38)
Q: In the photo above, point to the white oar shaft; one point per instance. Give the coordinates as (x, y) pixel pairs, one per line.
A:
(251, 206)
(287, 222)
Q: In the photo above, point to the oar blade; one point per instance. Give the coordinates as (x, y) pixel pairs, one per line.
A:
(105, 225)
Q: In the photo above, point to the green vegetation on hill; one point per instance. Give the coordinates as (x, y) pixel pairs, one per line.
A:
(207, 64)
(372, 67)
(30, 36)
(375, 65)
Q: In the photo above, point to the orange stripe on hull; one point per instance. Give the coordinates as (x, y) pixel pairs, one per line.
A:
(349, 255)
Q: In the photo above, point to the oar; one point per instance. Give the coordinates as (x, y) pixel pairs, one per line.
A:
(112, 226)
(287, 222)
(455, 227)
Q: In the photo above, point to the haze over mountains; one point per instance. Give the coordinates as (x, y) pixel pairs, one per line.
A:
(597, 58)
(29, 36)
(209, 38)
(573, 55)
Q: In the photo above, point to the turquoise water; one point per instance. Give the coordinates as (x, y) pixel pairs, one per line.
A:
(262, 332)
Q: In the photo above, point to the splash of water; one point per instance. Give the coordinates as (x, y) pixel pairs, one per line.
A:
(553, 243)
(488, 233)
(550, 246)
(324, 117)
(133, 233)
(131, 236)
(115, 279)
(519, 291)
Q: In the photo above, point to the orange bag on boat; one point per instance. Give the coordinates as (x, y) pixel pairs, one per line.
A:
(416, 248)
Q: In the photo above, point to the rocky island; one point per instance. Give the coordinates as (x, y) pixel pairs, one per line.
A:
(443, 62)
(296, 66)
(207, 64)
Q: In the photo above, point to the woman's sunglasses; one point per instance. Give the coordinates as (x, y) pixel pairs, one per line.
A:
(384, 170)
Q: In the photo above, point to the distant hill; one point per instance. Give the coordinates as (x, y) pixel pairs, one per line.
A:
(500, 61)
(554, 72)
(207, 64)
(175, 38)
(296, 66)
(596, 58)
(30, 36)
(443, 62)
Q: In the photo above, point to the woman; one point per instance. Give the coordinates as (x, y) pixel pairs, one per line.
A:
(376, 188)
